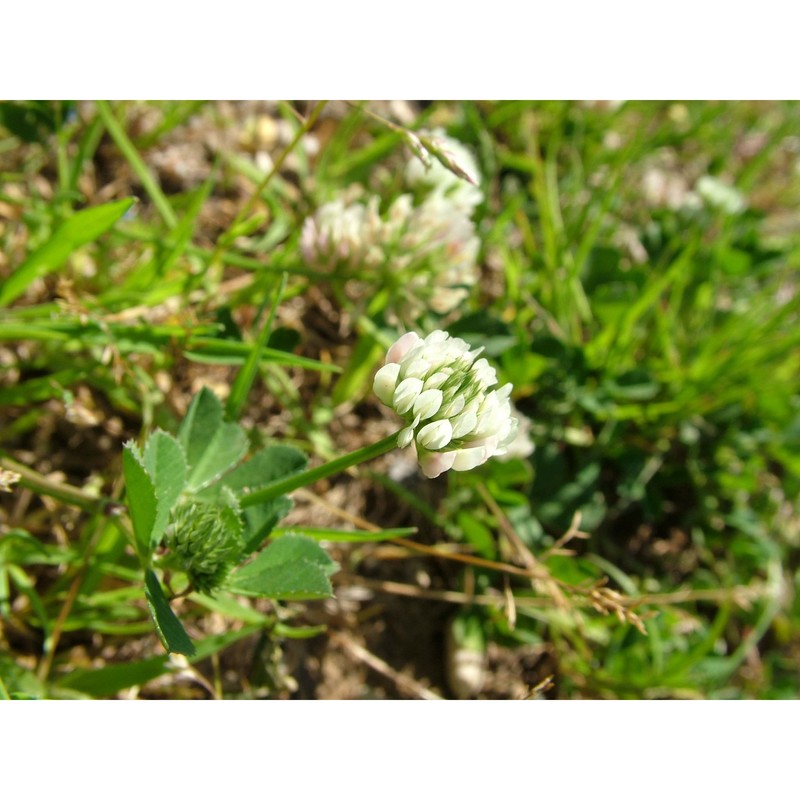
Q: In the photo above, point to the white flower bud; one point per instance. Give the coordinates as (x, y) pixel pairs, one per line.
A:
(428, 403)
(435, 435)
(464, 423)
(520, 444)
(470, 457)
(434, 464)
(405, 394)
(386, 382)
(425, 241)
(401, 347)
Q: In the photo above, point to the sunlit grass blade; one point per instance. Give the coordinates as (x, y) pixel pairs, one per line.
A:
(333, 535)
(117, 133)
(79, 229)
(247, 374)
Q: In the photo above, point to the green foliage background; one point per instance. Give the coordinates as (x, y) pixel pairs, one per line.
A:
(650, 331)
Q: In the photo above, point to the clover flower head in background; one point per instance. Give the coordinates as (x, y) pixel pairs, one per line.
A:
(423, 247)
(340, 234)
(462, 193)
(442, 390)
(720, 195)
(440, 249)
(429, 251)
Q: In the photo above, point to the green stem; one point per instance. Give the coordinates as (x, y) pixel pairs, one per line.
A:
(70, 495)
(286, 485)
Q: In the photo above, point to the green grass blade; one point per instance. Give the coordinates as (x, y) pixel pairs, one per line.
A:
(247, 374)
(137, 164)
(78, 230)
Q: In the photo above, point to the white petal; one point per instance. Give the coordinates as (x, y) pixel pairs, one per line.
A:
(401, 347)
(504, 391)
(437, 379)
(428, 403)
(405, 437)
(436, 337)
(468, 458)
(436, 435)
(454, 407)
(386, 382)
(464, 424)
(416, 366)
(484, 373)
(434, 464)
(405, 394)
(507, 432)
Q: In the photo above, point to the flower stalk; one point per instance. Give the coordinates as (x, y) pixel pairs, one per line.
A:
(309, 476)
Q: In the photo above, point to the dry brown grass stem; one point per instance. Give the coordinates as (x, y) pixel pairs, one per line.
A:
(542, 580)
(574, 532)
(406, 684)
(436, 552)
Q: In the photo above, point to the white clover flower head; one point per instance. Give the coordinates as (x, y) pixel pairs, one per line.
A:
(720, 195)
(441, 244)
(428, 251)
(442, 390)
(340, 234)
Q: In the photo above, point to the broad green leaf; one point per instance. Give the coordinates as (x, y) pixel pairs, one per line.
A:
(169, 628)
(78, 230)
(290, 568)
(142, 502)
(299, 580)
(267, 465)
(200, 424)
(212, 446)
(261, 519)
(166, 465)
(224, 450)
(477, 534)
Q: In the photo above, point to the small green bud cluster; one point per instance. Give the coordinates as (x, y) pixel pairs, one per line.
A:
(206, 539)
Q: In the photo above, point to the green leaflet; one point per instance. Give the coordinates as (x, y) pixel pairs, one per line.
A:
(290, 568)
(169, 628)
